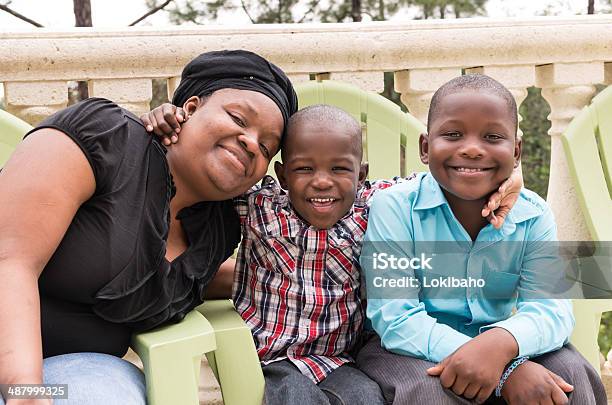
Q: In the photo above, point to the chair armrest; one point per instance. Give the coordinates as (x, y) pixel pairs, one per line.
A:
(235, 361)
(171, 356)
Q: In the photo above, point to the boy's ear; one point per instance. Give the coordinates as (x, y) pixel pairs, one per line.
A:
(279, 169)
(191, 105)
(424, 148)
(518, 150)
(363, 172)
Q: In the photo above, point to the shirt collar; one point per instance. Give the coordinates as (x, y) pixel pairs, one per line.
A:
(430, 196)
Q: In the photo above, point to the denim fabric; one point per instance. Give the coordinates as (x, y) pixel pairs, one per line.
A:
(95, 379)
(346, 385)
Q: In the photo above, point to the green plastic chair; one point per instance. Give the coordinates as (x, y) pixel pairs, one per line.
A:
(12, 129)
(588, 148)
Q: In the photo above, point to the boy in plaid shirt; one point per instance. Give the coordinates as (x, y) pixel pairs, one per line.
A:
(297, 279)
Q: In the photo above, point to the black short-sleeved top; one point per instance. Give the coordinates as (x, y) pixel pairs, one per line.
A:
(108, 277)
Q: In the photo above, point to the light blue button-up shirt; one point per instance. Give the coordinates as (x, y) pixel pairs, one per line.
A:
(513, 262)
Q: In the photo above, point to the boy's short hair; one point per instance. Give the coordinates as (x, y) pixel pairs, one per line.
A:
(476, 82)
(325, 114)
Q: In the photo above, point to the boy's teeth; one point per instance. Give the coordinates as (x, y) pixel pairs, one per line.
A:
(468, 170)
(322, 200)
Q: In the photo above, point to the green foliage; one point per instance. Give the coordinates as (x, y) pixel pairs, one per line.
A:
(536, 141)
(287, 11)
(605, 333)
(441, 8)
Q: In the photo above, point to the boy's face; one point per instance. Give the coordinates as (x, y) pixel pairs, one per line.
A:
(471, 147)
(322, 171)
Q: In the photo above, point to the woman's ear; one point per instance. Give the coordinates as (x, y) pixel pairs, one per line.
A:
(424, 148)
(191, 105)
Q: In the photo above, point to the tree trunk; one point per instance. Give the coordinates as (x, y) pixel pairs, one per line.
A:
(82, 18)
(82, 13)
(442, 11)
(591, 8)
(356, 10)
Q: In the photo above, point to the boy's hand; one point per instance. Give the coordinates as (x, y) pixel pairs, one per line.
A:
(531, 383)
(165, 122)
(470, 374)
(501, 202)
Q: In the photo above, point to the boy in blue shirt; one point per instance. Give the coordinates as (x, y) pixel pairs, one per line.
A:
(457, 343)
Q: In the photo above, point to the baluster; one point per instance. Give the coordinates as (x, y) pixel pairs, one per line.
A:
(372, 81)
(567, 87)
(132, 94)
(418, 86)
(34, 101)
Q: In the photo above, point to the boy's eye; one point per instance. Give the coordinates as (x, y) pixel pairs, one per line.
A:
(452, 134)
(340, 169)
(494, 137)
(303, 169)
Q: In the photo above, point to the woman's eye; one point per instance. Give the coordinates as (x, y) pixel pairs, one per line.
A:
(264, 150)
(303, 169)
(237, 120)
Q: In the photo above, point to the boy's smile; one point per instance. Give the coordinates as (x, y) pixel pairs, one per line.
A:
(471, 147)
(321, 170)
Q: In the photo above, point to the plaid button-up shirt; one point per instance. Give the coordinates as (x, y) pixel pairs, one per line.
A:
(298, 287)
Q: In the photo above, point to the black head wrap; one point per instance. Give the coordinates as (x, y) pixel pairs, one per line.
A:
(236, 69)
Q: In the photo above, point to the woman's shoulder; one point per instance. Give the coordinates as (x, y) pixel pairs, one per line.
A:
(111, 137)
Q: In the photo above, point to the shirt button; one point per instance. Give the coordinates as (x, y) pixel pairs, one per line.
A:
(269, 228)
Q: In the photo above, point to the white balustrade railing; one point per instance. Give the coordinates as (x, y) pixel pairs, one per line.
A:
(565, 57)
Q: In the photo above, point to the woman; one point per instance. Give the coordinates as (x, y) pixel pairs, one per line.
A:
(103, 232)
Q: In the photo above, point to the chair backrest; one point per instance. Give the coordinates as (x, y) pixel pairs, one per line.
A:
(391, 137)
(12, 130)
(588, 147)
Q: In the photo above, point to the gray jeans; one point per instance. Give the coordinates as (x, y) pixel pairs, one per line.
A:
(346, 385)
(404, 379)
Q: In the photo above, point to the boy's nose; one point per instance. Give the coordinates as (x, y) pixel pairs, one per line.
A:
(321, 181)
(471, 150)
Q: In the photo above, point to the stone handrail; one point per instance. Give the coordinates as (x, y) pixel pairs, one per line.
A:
(565, 57)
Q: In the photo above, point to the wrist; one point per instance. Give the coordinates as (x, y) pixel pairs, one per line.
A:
(506, 343)
(511, 367)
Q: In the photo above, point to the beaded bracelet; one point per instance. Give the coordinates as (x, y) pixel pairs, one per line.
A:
(507, 373)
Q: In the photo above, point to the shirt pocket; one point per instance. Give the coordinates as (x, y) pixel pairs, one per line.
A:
(340, 263)
(281, 255)
(500, 285)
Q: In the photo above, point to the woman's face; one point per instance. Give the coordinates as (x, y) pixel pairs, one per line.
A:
(227, 143)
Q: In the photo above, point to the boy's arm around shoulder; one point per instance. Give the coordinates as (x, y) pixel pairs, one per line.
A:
(397, 315)
(541, 324)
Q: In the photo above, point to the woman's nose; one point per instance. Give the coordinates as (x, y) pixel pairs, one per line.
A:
(249, 142)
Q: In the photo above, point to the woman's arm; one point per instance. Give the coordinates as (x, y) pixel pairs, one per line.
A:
(41, 187)
(221, 284)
